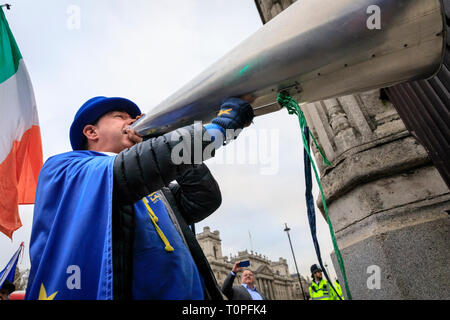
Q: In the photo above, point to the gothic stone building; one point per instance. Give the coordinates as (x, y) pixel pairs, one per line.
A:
(272, 278)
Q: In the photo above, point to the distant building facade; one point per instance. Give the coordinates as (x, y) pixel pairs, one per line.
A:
(298, 294)
(272, 278)
(21, 279)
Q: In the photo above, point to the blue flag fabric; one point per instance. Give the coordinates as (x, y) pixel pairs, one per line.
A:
(71, 240)
(310, 205)
(310, 198)
(158, 274)
(9, 272)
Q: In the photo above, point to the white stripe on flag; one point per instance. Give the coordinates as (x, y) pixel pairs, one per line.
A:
(18, 111)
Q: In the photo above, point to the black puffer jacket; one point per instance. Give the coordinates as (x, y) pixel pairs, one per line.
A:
(146, 168)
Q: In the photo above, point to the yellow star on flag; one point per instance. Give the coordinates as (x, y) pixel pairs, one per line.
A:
(43, 294)
(224, 112)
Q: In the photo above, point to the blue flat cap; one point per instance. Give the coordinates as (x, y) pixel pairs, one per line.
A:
(92, 110)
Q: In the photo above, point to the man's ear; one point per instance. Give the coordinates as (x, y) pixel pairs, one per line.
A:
(90, 131)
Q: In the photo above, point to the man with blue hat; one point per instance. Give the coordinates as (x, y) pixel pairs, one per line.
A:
(111, 218)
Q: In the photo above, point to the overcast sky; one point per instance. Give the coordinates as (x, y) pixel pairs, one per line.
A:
(146, 50)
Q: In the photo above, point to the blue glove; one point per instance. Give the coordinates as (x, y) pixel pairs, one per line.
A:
(234, 114)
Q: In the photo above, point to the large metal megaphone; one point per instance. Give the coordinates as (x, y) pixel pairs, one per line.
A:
(318, 49)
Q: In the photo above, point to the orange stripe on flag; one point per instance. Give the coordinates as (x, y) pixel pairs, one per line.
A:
(18, 178)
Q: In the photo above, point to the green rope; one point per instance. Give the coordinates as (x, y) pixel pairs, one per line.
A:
(293, 108)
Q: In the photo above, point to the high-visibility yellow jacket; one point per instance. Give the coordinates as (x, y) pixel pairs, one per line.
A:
(321, 291)
(338, 288)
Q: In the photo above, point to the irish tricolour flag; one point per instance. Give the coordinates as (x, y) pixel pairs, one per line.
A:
(20, 138)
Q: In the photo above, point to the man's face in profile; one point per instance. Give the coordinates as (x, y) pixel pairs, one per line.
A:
(112, 133)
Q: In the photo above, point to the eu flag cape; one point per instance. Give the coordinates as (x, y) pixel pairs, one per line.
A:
(71, 239)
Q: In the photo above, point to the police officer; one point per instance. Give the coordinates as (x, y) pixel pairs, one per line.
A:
(319, 288)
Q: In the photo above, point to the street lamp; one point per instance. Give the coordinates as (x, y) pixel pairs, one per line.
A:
(295, 262)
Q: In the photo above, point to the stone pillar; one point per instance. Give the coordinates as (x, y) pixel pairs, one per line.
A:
(272, 290)
(292, 293)
(261, 287)
(266, 290)
(388, 205)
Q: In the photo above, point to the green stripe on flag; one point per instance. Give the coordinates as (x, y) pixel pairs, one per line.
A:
(9, 51)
